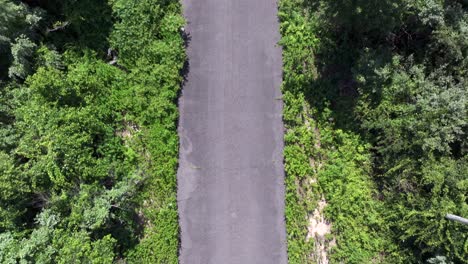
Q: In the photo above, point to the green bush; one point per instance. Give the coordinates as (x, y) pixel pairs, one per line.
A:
(383, 84)
(89, 150)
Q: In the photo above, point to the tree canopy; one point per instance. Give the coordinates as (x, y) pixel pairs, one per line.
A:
(389, 78)
(88, 148)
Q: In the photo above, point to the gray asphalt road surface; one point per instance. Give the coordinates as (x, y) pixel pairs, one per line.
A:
(231, 176)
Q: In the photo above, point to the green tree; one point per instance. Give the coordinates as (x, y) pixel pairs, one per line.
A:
(18, 25)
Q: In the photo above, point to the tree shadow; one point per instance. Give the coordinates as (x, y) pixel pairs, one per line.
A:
(186, 68)
(82, 24)
(347, 30)
(184, 73)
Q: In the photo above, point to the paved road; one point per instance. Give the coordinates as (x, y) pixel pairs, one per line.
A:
(230, 179)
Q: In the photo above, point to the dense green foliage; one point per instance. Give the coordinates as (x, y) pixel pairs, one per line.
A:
(375, 95)
(376, 111)
(322, 161)
(88, 148)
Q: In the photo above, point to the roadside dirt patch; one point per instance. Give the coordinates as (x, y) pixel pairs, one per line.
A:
(318, 230)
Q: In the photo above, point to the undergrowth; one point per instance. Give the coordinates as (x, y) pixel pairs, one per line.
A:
(323, 161)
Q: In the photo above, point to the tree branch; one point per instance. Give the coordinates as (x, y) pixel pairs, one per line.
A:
(62, 26)
(457, 219)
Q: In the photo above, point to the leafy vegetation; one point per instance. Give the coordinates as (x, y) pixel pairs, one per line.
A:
(375, 106)
(88, 145)
(375, 111)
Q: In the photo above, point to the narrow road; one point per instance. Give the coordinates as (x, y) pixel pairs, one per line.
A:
(231, 177)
